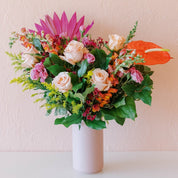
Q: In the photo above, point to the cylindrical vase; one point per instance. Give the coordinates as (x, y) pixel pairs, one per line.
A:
(87, 149)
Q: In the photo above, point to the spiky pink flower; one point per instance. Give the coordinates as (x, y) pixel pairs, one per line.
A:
(136, 75)
(62, 27)
(39, 71)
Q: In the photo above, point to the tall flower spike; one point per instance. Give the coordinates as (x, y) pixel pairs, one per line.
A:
(57, 26)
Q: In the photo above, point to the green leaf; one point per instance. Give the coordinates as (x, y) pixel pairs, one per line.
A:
(56, 69)
(144, 70)
(37, 44)
(109, 114)
(130, 88)
(47, 62)
(147, 81)
(83, 68)
(120, 120)
(113, 114)
(119, 103)
(60, 111)
(68, 121)
(96, 124)
(128, 110)
(76, 87)
(80, 96)
(88, 91)
(49, 80)
(100, 59)
(74, 78)
(56, 60)
(59, 121)
(144, 95)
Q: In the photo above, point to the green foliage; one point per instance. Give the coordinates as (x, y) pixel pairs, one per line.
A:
(47, 62)
(76, 108)
(96, 124)
(88, 91)
(16, 61)
(131, 34)
(140, 91)
(100, 58)
(77, 86)
(128, 110)
(37, 44)
(120, 120)
(68, 121)
(119, 102)
(113, 114)
(144, 70)
(131, 60)
(83, 68)
(55, 69)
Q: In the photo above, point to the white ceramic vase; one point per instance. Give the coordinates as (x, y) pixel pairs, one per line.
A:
(87, 149)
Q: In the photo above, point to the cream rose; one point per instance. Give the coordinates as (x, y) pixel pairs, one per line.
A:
(29, 60)
(63, 82)
(116, 42)
(73, 53)
(100, 79)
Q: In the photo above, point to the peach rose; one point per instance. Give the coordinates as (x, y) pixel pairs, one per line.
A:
(116, 42)
(100, 79)
(29, 60)
(63, 82)
(73, 53)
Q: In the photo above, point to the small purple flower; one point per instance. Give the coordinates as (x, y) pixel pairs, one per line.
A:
(39, 71)
(136, 75)
(90, 58)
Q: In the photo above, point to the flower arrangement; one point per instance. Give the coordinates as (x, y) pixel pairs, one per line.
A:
(82, 78)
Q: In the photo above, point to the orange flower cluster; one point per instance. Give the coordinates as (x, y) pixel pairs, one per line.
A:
(104, 99)
(25, 41)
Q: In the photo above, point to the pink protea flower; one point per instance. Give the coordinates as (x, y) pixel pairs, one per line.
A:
(90, 57)
(39, 71)
(62, 27)
(136, 75)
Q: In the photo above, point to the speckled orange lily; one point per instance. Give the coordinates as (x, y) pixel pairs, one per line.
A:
(152, 53)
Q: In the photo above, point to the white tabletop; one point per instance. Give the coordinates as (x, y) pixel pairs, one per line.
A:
(117, 164)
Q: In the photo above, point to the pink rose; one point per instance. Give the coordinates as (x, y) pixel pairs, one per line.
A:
(63, 82)
(116, 42)
(100, 79)
(73, 53)
(90, 57)
(136, 75)
(29, 60)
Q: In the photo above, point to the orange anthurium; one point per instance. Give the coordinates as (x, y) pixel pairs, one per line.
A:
(152, 53)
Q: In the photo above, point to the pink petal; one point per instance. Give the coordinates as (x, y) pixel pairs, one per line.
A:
(31, 31)
(80, 22)
(57, 23)
(88, 28)
(38, 27)
(50, 24)
(64, 22)
(72, 24)
(45, 28)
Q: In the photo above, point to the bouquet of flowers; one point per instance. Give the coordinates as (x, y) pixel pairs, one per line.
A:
(81, 78)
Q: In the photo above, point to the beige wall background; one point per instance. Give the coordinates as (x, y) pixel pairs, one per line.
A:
(24, 127)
